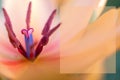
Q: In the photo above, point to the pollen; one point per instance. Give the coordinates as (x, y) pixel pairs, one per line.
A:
(30, 52)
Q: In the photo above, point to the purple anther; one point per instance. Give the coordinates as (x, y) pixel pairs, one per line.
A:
(12, 37)
(54, 29)
(7, 19)
(46, 33)
(48, 23)
(28, 15)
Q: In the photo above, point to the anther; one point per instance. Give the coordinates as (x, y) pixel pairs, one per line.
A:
(12, 37)
(46, 32)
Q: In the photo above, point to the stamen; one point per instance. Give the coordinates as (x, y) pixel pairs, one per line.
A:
(8, 22)
(46, 32)
(11, 34)
(44, 40)
(54, 29)
(12, 37)
(42, 43)
(48, 23)
(38, 50)
(28, 15)
(22, 50)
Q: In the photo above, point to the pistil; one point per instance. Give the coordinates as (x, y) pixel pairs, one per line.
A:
(28, 42)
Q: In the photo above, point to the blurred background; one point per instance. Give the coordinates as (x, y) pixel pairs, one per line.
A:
(110, 4)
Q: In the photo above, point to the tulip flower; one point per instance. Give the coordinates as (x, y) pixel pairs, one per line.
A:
(51, 51)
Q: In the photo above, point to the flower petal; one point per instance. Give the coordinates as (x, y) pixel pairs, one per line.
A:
(75, 16)
(12, 69)
(20, 68)
(96, 44)
(118, 30)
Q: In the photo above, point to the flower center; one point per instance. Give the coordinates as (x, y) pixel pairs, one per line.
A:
(30, 52)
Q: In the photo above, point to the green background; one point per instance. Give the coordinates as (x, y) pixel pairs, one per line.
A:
(116, 76)
(113, 3)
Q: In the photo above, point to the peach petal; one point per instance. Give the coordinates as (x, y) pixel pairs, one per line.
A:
(75, 16)
(97, 43)
(22, 68)
(118, 32)
(12, 69)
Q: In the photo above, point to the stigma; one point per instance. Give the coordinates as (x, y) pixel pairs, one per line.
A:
(30, 52)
